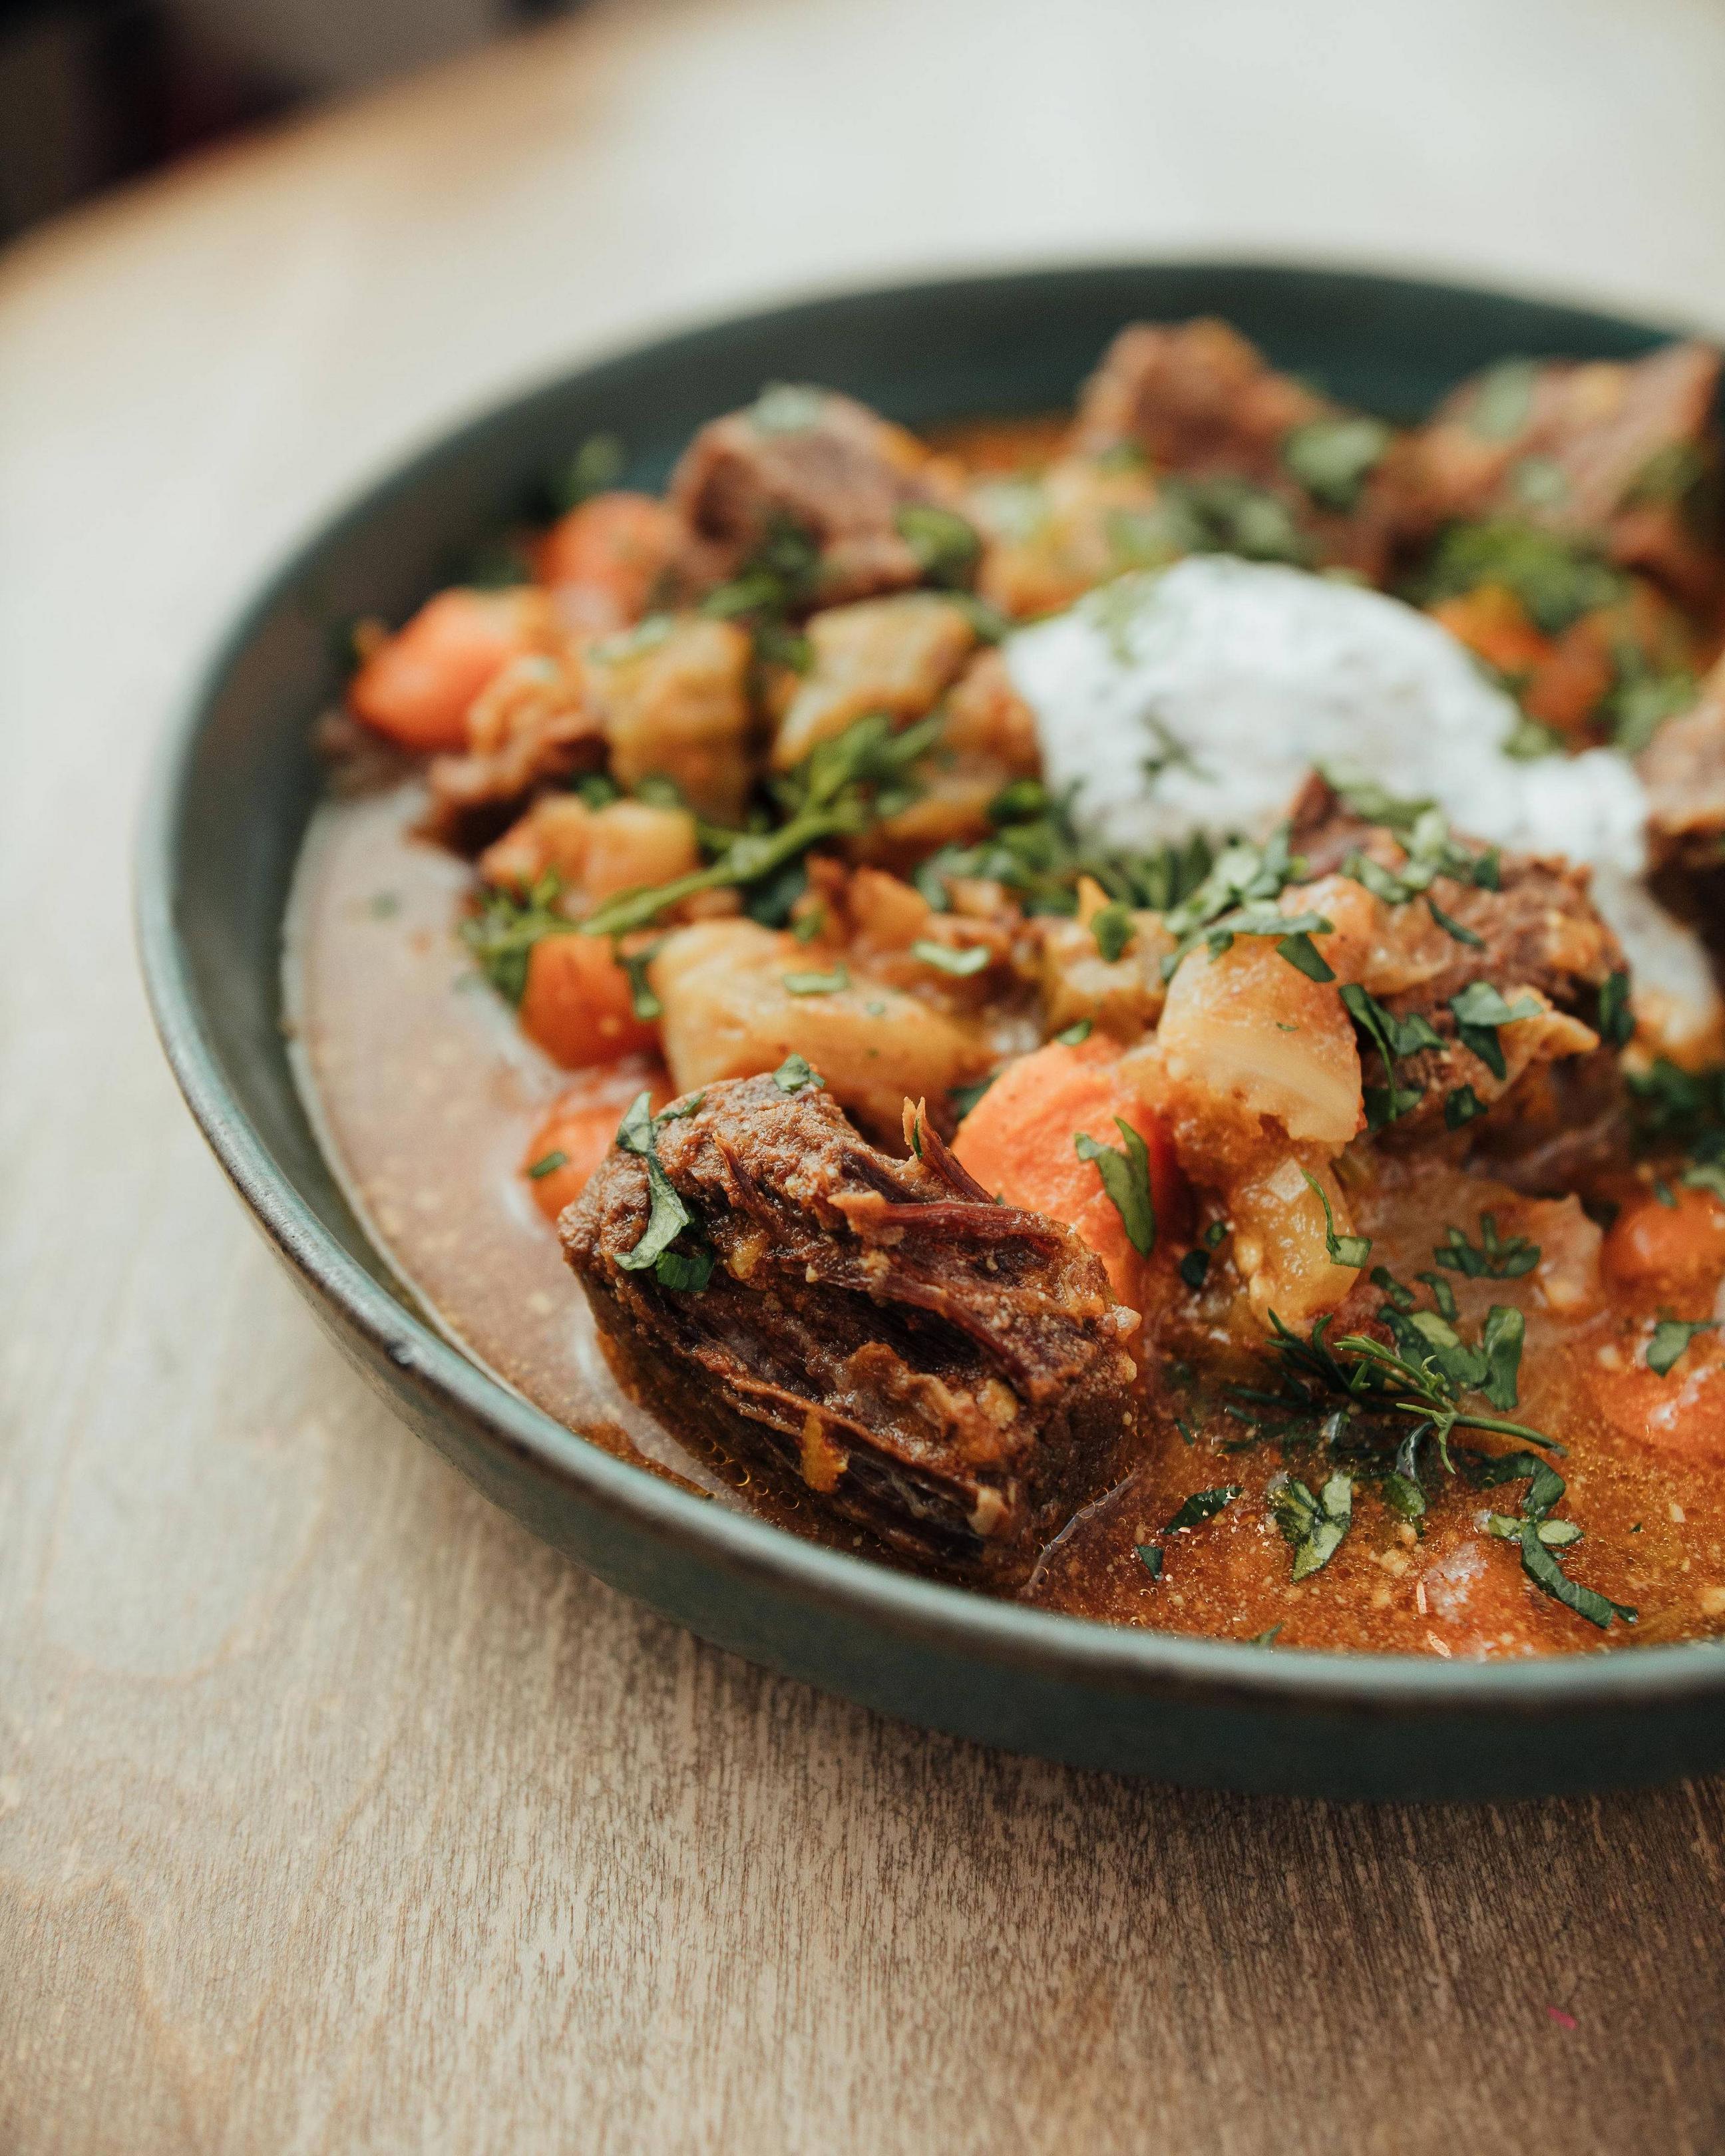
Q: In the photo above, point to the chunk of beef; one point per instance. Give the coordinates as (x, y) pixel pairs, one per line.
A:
(813, 464)
(1194, 397)
(533, 727)
(1211, 415)
(1536, 930)
(1617, 454)
(943, 1370)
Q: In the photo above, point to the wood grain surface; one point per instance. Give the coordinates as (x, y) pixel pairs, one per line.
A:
(336, 1814)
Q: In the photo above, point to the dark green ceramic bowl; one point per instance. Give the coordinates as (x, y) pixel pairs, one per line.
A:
(237, 782)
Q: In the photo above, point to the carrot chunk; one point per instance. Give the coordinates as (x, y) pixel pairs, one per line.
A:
(605, 559)
(418, 685)
(578, 1005)
(1670, 1250)
(577, 1134)
(1017, 1141)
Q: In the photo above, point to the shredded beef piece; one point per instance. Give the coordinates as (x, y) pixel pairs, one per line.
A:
(1610, 452)
(1195, 398)
(1538, 929)
(943, 1370)
(534, 726)
(839, 475)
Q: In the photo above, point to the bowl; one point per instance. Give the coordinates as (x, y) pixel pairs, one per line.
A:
(235, 787)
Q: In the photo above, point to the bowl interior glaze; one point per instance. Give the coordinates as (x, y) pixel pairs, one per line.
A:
(235, 788)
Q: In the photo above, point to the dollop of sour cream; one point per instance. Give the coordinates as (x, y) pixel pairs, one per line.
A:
(1197, 698)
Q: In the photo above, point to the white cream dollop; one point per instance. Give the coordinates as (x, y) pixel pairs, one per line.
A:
(1197, 698)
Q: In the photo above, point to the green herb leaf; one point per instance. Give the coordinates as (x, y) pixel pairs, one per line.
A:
(959, 960)
(1332, 459)
(1203, 1505)
(1113, 928)
(1194, 1269)
(547, 1164)
(1150, 1554)
(1490, 1258)
(1542, 1568)
(1617, 1021)
(946, 545)
(1480, 1009)
(683, 1273)
(1461, 1106)
(964, 1098)
(503, 932)
(1400, 1297)
(1341, 1249)
(796, 1074)
(1315, 1526)
(1075, 1034)
(1671, 1340)
(1501, 1339)
(1126, 1177)
(643, 1001)
(816, 984)
(1451, 926)
(1302, 954)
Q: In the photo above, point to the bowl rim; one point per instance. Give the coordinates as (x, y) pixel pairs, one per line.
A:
(956, 1620)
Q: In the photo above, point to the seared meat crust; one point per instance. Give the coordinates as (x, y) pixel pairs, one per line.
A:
(943, 1370)
(841, 476)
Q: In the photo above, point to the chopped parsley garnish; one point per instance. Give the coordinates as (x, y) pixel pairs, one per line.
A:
(1332, 459)
(1316, 1526)
(1220, 515)
(667, 1216)
(1125, 1172)
(808, 925)
(946, 545)
(1490, 1258)
(1461, 1106)
(817, 984)
(961, 962)
(1427, 1373)
(1394, 1039)
(779, 581)
(1671, 1340)
(503, 933)
(1538, 1534)
(1480, 1009)
(1556, 579)
(842, 786)
(642, 1000)
(1150, 1555)
(1341, 1249)
(1617, 1021)
(1075, 1034)
(964, 1098)
(796, 1074)
(1113, 928)
(1201, 1505)
(1303, 955)
(1238, 897)
(1451, 926)
(547, 1164)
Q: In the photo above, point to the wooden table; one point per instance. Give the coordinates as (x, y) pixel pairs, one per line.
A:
(336, 1814)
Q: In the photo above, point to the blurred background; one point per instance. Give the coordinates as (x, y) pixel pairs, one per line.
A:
(96, 92)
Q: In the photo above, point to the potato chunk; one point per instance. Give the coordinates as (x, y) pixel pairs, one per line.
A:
(895, 655)
(729, 1014)
(593, 852)
(673, 698)
(1245, 1035)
